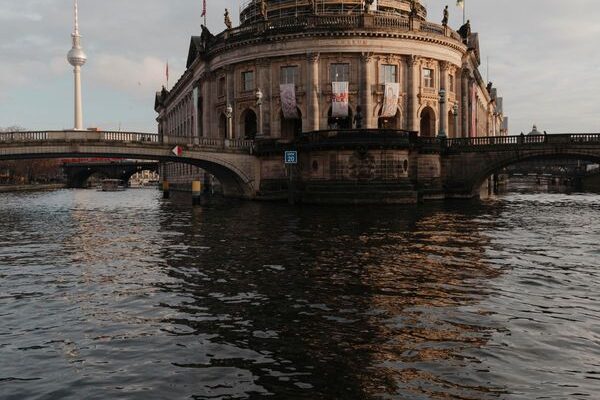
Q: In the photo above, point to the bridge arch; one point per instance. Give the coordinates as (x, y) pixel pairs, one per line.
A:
(235, 171)
(78, 173)
(497, 165)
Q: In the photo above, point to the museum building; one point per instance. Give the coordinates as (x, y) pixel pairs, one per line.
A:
(299, 66)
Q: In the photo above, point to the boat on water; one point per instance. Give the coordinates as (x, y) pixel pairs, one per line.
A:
(112, 185)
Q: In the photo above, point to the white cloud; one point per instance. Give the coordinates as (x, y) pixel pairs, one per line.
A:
(135, 77)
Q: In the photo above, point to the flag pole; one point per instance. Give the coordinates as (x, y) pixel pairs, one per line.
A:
(464, 12)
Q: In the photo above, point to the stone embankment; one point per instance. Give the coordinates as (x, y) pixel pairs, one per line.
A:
(30, 188)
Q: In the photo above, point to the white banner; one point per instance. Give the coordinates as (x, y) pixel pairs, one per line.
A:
(287, 93)
(390, 100)
(339, 101)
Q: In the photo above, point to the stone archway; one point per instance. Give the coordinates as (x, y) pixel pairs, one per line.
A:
(427, 127)
(291, 128)
(249, 124)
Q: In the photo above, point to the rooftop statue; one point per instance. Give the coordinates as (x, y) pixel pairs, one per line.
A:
(465, 30)
(227, 19)
(263, 9)
(368, 4)
(413, 8)
(446, 15)
(313, 3)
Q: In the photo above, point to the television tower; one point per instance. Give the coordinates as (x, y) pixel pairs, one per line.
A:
(77, 59)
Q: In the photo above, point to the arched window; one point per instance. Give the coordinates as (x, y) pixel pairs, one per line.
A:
(339, 123)
(427, 122)
(291, 128)
(389, 122)
(250, 124)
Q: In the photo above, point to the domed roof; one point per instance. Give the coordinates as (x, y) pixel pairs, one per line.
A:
(534, 131)
(258, 10)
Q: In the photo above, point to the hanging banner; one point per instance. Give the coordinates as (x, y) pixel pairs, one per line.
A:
(289, 108)
(339, 102)
(390, 100)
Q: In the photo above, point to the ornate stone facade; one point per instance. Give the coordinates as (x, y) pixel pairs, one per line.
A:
(310, 44)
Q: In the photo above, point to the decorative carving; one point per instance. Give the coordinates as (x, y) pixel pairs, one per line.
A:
(361, 165)
(445, 66)
(413, 60)
(366, 57)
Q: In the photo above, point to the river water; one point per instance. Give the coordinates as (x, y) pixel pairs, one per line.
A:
(126, 296)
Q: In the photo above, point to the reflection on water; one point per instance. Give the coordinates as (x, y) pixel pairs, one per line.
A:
(124, 295)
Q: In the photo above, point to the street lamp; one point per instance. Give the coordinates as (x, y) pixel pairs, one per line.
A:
(259, 96)
(229, 114)
(443, 114)
(455, 113)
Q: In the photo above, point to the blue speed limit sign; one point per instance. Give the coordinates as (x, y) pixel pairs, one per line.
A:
(291, 157)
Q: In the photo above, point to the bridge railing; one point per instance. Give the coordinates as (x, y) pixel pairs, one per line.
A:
(23, 136)
(129, 137)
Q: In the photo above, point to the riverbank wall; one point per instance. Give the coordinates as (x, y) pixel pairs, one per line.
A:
(31, 188)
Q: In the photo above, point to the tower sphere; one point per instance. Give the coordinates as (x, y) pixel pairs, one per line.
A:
(76, 57)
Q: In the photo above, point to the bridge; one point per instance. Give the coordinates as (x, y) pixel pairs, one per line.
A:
(432, 168)
(229, 161)
(78, 173)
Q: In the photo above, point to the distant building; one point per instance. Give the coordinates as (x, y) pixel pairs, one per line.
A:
(389, 63)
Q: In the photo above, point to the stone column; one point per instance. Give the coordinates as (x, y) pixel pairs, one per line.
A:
(207, 106)
(262, 84)
(444, 68)
(366, 89)
(195, 114)
(313, 88)
(414, 78)
(464, 106)
(443, 114)
(231, 99)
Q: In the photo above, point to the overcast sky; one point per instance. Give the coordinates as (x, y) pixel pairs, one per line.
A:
(544, 58)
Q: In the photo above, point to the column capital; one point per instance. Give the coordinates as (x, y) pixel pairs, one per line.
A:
(366, 57)
(413, 60)
(313, 57)
(445, 65)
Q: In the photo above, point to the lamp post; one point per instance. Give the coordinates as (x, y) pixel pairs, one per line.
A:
(259, 96)
(443, 114)
(455, 114)
(229, 114)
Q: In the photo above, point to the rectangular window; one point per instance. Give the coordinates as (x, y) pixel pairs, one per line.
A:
(289, 75)
(340, 73)
(451, 83)
(427, 77)
(248, 81)
(388, 73)
(222, 85)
